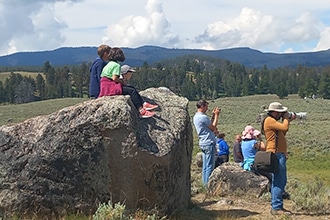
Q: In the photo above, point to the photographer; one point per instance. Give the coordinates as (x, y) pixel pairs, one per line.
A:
(207, 140)
(275, 132)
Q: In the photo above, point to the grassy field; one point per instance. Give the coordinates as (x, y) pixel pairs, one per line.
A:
(308, 140)
(20, 112)
(5, 75)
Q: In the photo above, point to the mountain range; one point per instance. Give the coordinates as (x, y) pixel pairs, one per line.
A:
(153, 54)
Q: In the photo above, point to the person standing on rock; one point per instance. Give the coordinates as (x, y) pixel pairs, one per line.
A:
(205, 128)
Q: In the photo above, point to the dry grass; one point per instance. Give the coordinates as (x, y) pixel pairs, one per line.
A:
(5, 75)
(308, 140)
(308, 145)
(20, 112)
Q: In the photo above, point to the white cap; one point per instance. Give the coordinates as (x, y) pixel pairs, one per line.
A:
(125, 69)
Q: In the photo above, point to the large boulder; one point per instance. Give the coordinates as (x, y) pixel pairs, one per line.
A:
(98, 151)
(231, 179)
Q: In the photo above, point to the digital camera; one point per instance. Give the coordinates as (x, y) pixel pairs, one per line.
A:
(299, 115)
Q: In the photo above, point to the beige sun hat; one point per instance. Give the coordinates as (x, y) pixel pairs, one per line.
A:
(276, 107)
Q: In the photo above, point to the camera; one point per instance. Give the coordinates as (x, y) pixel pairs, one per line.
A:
(299, 115)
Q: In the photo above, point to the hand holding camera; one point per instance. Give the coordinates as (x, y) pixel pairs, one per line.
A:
(289, 115)
(216, 111)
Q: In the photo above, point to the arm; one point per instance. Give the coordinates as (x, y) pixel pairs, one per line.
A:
(226, 146)
(240, 155)
(116, 74)
(215, 117)
(272, 124)
(238, 150)
(261, 145)
(117, 79)
(98, 69)
(223, 147)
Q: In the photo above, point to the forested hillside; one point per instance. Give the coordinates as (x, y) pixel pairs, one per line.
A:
(191, 76)
(153, 54)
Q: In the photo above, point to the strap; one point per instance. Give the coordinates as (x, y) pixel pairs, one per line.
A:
(276, 137)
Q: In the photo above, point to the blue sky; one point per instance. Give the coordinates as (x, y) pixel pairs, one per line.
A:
(282, 26)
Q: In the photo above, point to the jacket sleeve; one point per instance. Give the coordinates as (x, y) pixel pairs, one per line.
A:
(272, 124)
(99, 69)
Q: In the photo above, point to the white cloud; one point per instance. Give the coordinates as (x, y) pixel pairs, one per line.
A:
(324, 42)
(278, 26)
(29, 25)
(133, 31)
(254, 29)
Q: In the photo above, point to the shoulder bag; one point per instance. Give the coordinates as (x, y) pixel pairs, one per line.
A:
(266, 161)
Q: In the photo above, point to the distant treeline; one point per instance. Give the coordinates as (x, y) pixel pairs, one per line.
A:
(190, 76)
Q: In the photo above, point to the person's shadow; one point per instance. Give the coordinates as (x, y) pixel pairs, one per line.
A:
(147, 127)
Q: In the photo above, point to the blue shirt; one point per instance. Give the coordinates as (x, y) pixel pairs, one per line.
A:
(249, 152)
(248, 149)
(205, 134)
(95, 76)
(223, 147)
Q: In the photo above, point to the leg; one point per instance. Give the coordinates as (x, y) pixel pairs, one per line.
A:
(135, 96)
(268, 176)
(278, 182)
(222, 159)
(208, 162)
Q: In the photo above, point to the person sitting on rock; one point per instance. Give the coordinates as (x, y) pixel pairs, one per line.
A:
(237, 150)
(250, 145)
(223, 149)
(112, 72)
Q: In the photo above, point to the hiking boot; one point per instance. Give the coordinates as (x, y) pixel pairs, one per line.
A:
(149, 106)
(146, 114)
(286, 195)
(282, 211)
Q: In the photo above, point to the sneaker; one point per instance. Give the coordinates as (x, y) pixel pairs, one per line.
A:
(149, 106)
(282, 211)
(146, 114)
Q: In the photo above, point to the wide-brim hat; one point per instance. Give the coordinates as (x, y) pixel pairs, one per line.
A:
(276, 107)
(250, 133)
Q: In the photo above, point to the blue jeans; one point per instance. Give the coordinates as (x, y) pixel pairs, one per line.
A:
(279, 180)
(209, 156)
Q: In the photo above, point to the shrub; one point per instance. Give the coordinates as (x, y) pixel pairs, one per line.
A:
(117, 212)
(311, 197)
(110, 212)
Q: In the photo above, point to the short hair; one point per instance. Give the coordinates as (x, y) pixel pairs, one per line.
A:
(103, 49)
(201, 103)
(117, 54)
(221, 135)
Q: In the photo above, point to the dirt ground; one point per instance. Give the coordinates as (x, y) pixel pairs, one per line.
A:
(239, 208)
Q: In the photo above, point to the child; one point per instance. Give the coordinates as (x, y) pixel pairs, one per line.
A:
(223, 149)
(96, 70)
(112, 72)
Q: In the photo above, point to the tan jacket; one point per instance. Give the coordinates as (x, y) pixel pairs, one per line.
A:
(270, 128)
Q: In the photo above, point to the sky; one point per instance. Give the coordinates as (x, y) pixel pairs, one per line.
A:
(281, 26)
